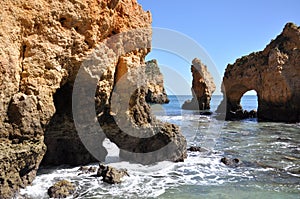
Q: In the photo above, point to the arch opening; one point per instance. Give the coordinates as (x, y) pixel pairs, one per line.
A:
(249, 100)
(242, 103)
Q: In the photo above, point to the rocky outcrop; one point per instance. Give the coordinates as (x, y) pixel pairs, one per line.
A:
(61, 189)
(44, 47)
(110, 174)
(202, 87)
(234, 162)
(156, 92)
(273, 73)
(127, 120)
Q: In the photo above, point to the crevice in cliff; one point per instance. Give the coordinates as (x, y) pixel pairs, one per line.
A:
(23, 49)
(62, 21)
(115, 75)
(27, 169)
(113, 4)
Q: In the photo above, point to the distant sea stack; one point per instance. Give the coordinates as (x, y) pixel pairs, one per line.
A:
(156, 92)
(273, 73)
(202, 87)
(43, 47)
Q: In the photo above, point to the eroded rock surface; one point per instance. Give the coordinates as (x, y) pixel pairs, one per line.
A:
(127, 120)
(61, 189)
(273, 73)
(202, 87)
(43, 45)
(156, 92)
(110, 174)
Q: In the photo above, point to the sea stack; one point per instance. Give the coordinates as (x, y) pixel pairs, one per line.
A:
(273, 73)
(202, 87)
(156, 93)
(46, 46)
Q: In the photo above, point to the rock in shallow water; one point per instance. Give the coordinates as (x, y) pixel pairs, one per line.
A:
(110, 174)
(61, 189)
(242, 114)
(197, 149)
(202, 88)
(86, 170)
(231, 162)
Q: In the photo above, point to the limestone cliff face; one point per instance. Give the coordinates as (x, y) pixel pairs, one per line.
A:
(202, 87)
(156, 92)
(273, 73)
(43, 45)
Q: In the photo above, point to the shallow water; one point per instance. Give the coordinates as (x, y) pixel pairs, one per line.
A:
(269, 154)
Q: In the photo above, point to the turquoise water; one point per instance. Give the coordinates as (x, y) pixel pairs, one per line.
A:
(269, 155)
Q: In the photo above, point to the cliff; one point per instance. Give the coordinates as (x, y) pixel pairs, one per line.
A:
(202, 87)
(273, 73)
(156, 92)
(46, 46)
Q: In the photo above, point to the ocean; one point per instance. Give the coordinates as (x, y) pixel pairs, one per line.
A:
(269, 154)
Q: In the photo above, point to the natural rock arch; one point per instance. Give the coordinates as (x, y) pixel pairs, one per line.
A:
(273, 73)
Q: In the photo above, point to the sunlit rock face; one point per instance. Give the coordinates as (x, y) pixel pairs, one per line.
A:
(273, 73)
(43, 45)
(203, 87)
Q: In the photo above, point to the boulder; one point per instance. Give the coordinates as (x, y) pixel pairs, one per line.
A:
(44, 47)
(202, 87)
(274, 73)
(110, 174)
(197, 149)
(230, 162)
(86, 170)
(155, 93)
(61, 189)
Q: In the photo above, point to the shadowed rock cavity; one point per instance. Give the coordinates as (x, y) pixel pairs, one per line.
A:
(64, 146)
(273, 73)
(202, 87)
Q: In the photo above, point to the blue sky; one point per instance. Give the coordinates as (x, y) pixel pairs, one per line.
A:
(226, 30)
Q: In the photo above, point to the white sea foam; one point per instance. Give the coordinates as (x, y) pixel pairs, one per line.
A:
(144, 181)
(195, 118)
